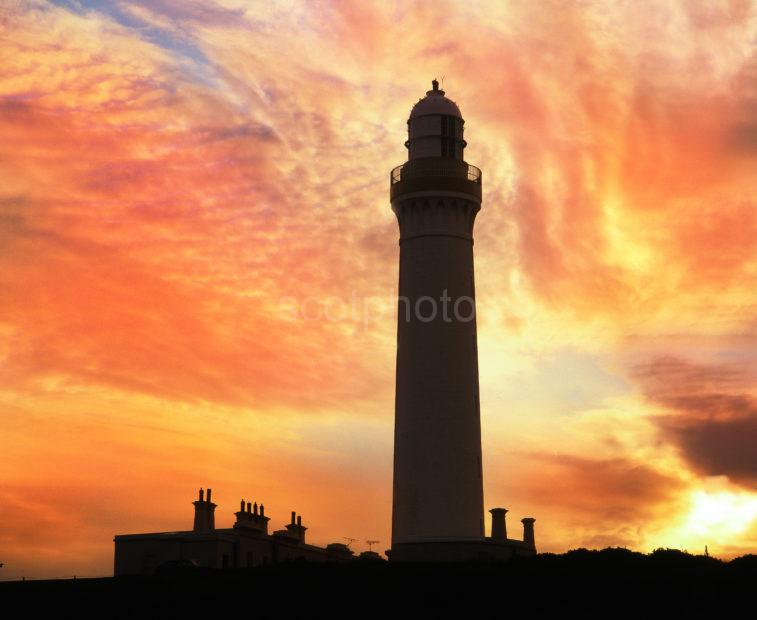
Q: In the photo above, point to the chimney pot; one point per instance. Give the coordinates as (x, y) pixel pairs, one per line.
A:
(499, 527)
(249, 507)
(201, 494)
(209, 492)
(299, 520)
(293, 516)
(528, 531)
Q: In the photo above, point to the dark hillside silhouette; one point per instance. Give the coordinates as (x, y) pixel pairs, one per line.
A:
(611, 583)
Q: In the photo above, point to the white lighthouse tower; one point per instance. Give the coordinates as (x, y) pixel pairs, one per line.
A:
(438, 506)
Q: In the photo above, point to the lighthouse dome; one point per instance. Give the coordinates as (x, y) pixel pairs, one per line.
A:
(435, 103)
(435, 127)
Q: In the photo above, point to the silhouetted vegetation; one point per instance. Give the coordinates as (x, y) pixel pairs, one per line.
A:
(609, 582)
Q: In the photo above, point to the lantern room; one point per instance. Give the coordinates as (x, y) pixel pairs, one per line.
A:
(435, 127)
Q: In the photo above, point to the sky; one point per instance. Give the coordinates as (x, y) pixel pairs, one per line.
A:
(198, 264)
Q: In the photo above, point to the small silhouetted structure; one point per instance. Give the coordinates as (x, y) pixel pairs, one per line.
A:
(371, 554)
(248, 543)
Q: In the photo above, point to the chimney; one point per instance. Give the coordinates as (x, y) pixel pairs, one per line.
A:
(211, 513)
(528, 531)
(499, 529)
(295, 528)
(205, 520)
(249, 518)
(260, 519)
(242, 516)
(200, 523)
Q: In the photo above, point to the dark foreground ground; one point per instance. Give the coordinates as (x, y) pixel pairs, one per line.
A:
(609, 583)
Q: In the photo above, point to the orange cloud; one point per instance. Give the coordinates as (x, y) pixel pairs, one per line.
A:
(187, 187)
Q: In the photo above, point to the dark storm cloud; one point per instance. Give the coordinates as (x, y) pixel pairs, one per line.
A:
(718, 447)
(713, 417)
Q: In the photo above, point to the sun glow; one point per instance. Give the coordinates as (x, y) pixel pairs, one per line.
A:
(715, 519)
(724, 513)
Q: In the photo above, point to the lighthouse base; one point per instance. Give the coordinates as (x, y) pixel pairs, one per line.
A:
(464, 550)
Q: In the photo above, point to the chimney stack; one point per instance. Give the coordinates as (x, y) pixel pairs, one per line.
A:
(499, 528)
(528, 531)
(295, 528)
(205, 520)
(242, 516)
(248, 517)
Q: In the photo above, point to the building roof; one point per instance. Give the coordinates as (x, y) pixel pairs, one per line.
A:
(435, 103)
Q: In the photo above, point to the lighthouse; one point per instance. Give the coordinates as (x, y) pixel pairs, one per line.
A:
(438, 504)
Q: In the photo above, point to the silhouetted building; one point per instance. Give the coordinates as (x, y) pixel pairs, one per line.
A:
(247, 543)
(438, 511)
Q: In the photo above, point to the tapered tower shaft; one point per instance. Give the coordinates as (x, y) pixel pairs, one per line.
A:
(438, 487)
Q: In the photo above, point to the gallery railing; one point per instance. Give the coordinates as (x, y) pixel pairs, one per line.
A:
(434, 167)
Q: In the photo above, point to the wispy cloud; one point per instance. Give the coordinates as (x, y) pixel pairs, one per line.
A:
(171, 171)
